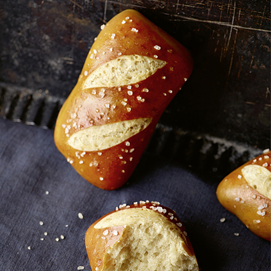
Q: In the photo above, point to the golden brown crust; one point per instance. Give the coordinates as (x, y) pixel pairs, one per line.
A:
(250, 206)
(97, 248)
(111, 168)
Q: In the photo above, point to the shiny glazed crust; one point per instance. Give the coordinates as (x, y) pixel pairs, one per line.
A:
(127, 34)
(99, 239)
(243, 200)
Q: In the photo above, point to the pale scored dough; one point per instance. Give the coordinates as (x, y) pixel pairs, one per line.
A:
(96, 138)
(259, 178)
(149, 242)
(124, 70)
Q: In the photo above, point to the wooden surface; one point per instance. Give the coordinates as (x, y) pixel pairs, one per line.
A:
(43, 45)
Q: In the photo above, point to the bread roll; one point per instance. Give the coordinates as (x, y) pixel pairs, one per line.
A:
(246, 192)
(143, 236)
(132, 72)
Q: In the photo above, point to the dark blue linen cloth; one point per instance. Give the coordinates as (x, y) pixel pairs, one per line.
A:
(42, 194)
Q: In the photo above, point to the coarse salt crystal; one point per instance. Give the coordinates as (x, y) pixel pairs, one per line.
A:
(157, 47)
(160, 209)
(261, 213)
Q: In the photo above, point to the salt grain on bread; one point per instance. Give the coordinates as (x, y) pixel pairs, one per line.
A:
(144, 236)
(132, 72)
(246, 192)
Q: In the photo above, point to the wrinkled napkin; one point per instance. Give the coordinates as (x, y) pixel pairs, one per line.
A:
(42, 197)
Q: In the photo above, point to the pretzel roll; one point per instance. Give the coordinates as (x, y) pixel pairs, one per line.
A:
(246, 192)
(132, 72)
(143, 236)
